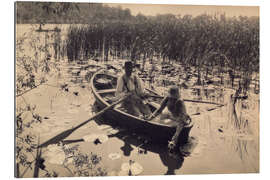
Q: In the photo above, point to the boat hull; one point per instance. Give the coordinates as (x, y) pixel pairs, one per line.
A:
(156, 132)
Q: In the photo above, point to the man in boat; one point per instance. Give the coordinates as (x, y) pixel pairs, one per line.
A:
(176, 111)
(130, 83)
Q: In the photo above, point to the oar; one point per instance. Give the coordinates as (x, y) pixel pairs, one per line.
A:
(66, 133)
(187, 100)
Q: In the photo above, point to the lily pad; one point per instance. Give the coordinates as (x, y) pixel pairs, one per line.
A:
(103, 138)
(94, 137)
(54, 147)
(113, 131)
(90, 137)
(102, 127)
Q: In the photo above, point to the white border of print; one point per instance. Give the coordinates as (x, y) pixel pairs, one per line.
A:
(7, 87)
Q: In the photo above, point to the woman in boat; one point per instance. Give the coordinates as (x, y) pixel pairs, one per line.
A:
(176, 112)
(130, 83)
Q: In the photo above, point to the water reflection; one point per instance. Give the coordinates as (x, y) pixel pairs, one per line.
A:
(126, 149)
(172, 161)
(241, 148)
(247, 151)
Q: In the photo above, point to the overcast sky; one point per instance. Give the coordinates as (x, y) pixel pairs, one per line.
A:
(150, 9)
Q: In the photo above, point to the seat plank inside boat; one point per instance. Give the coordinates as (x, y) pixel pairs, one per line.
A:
(153, 104)
(105, 91)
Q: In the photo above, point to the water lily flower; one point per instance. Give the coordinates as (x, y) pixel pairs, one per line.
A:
(55, 154)
(131, 168)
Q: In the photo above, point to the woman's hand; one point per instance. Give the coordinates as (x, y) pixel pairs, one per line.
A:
(187, 119)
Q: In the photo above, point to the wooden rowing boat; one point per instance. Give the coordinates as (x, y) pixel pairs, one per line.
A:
(103, 87)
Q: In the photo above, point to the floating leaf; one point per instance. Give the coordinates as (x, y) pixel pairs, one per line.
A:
(94, 137)
(113, 131)
(54, 147)
(90, 138)
(102, 127)
(114, 156)
(103, 138)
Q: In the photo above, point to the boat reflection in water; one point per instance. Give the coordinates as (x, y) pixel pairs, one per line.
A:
(171, 160)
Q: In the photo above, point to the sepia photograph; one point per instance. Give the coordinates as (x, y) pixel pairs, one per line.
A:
(129, 89)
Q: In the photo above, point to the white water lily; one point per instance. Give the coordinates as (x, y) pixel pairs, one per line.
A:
(114, 156)
(133, 167)
(55, 154)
